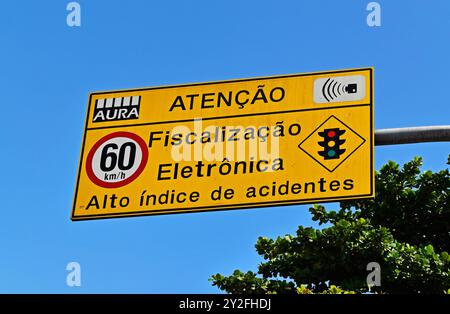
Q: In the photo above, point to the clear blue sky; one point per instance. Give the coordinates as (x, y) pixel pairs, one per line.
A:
(47, 70)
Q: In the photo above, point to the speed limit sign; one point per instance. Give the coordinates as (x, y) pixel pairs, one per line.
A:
(116, 159)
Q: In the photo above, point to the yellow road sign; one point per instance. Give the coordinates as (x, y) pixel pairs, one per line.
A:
(255, 142)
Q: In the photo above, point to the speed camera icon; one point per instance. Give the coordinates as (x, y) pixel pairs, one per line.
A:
(339, 89)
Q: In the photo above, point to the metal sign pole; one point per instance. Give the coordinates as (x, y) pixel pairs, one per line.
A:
(410, 135)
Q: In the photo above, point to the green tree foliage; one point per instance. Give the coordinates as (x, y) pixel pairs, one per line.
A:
(406, 229)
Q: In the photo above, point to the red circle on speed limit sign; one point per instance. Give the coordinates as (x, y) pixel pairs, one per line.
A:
(116, 159)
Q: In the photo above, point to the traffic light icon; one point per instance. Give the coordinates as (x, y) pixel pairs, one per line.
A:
(331, 143)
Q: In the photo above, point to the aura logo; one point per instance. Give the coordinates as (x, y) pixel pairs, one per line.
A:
(339, 89)
(114, 109)
(331, 143)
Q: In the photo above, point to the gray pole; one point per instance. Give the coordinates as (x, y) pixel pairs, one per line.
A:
(419, 134)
